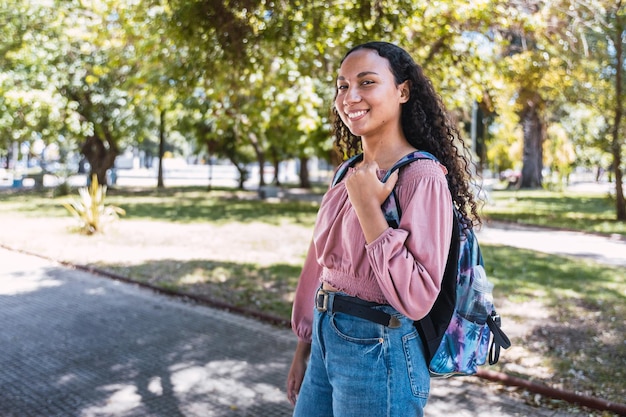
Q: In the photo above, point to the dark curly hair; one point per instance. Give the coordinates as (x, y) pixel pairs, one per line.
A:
(425, 124)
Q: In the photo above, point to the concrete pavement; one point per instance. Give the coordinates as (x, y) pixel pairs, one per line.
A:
(602, 249)
(75, 344)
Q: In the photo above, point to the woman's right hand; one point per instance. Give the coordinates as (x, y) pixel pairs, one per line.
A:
(297, 370)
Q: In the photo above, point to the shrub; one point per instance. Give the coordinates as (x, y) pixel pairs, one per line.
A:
(90, 210)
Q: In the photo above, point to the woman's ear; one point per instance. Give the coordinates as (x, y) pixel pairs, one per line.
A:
(405, 91)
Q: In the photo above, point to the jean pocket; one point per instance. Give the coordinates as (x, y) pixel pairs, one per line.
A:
(355, 329)
(416, 365)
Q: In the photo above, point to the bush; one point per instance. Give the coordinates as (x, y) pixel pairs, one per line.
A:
(90, 210)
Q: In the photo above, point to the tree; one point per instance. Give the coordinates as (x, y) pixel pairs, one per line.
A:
(31, 107)
(596, 32)
(525, 63)
(617, 39)
(95, 62)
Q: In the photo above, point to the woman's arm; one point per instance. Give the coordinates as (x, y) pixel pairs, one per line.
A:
(409, 262)
(297, 370)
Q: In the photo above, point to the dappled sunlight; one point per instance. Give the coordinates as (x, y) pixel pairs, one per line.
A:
(564, 317)
(96, 291)
(155, 386)
(121, 398)
(267, 288)
(226, 381)
(197, 388)
(76, 344)
(15, 284)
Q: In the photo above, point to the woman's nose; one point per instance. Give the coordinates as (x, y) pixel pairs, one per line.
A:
(351, 96)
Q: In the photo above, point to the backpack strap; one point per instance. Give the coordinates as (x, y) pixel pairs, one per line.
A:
(343, 168)
(500, 339)
(390, 206)
(407, 159)
(431, 332)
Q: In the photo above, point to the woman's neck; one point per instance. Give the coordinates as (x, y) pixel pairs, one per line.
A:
(385, 152)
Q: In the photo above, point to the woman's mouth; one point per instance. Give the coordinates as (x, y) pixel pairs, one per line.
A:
(355, 115)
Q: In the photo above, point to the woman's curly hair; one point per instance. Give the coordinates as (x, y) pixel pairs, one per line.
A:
(425, 124)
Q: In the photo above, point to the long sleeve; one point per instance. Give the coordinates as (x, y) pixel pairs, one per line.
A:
(409, 262)
(302, 311)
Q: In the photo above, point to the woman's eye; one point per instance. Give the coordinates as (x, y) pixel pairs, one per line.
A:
(367, 82)
(342, 87)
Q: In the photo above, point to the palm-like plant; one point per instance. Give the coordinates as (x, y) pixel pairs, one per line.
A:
(90, 209)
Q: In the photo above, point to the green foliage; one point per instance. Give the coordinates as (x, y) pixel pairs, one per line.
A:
(90, 209)
(247, 79)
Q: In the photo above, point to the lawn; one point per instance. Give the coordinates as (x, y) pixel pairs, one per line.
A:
(567, 315)
(587, 212)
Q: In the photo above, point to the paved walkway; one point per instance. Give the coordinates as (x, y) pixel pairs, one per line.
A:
(597, 248)
(73, 344)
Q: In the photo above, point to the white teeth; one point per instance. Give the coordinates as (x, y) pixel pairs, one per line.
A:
(357, 114)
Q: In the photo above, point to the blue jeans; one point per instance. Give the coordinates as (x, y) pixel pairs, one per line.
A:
(359, 368)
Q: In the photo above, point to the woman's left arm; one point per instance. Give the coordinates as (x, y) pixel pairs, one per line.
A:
(409, 262)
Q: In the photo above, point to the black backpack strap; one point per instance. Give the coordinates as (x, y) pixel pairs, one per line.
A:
(407, 159)
(390, 206)
(343, 168)
(500, 339)
(431, 332)
(443, 308)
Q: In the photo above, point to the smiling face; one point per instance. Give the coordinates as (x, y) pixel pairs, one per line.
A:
(368, 99)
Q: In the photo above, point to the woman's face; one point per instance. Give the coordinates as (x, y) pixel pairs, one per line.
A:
(368, 99)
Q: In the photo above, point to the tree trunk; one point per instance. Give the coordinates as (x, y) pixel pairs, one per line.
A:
(100, 157)
(620, 201)
(305, 180)
(616, 145)
(243, 174)
(209, 149)
(160, 183)
(260, 156)
(533, 145)
(276, 164)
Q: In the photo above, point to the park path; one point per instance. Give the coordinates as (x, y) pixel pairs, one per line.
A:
(608, 250)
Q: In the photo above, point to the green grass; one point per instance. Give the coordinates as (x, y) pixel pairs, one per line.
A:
(267, 289)
(583, 338)
(575, 211)
(585, 212)
(180, 205)
(523, 275)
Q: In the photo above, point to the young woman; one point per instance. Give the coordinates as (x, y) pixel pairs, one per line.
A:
(363, 282)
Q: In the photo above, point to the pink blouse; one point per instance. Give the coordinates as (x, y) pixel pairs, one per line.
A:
(403, 267)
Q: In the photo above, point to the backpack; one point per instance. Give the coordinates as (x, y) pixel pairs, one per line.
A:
(457, 330)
